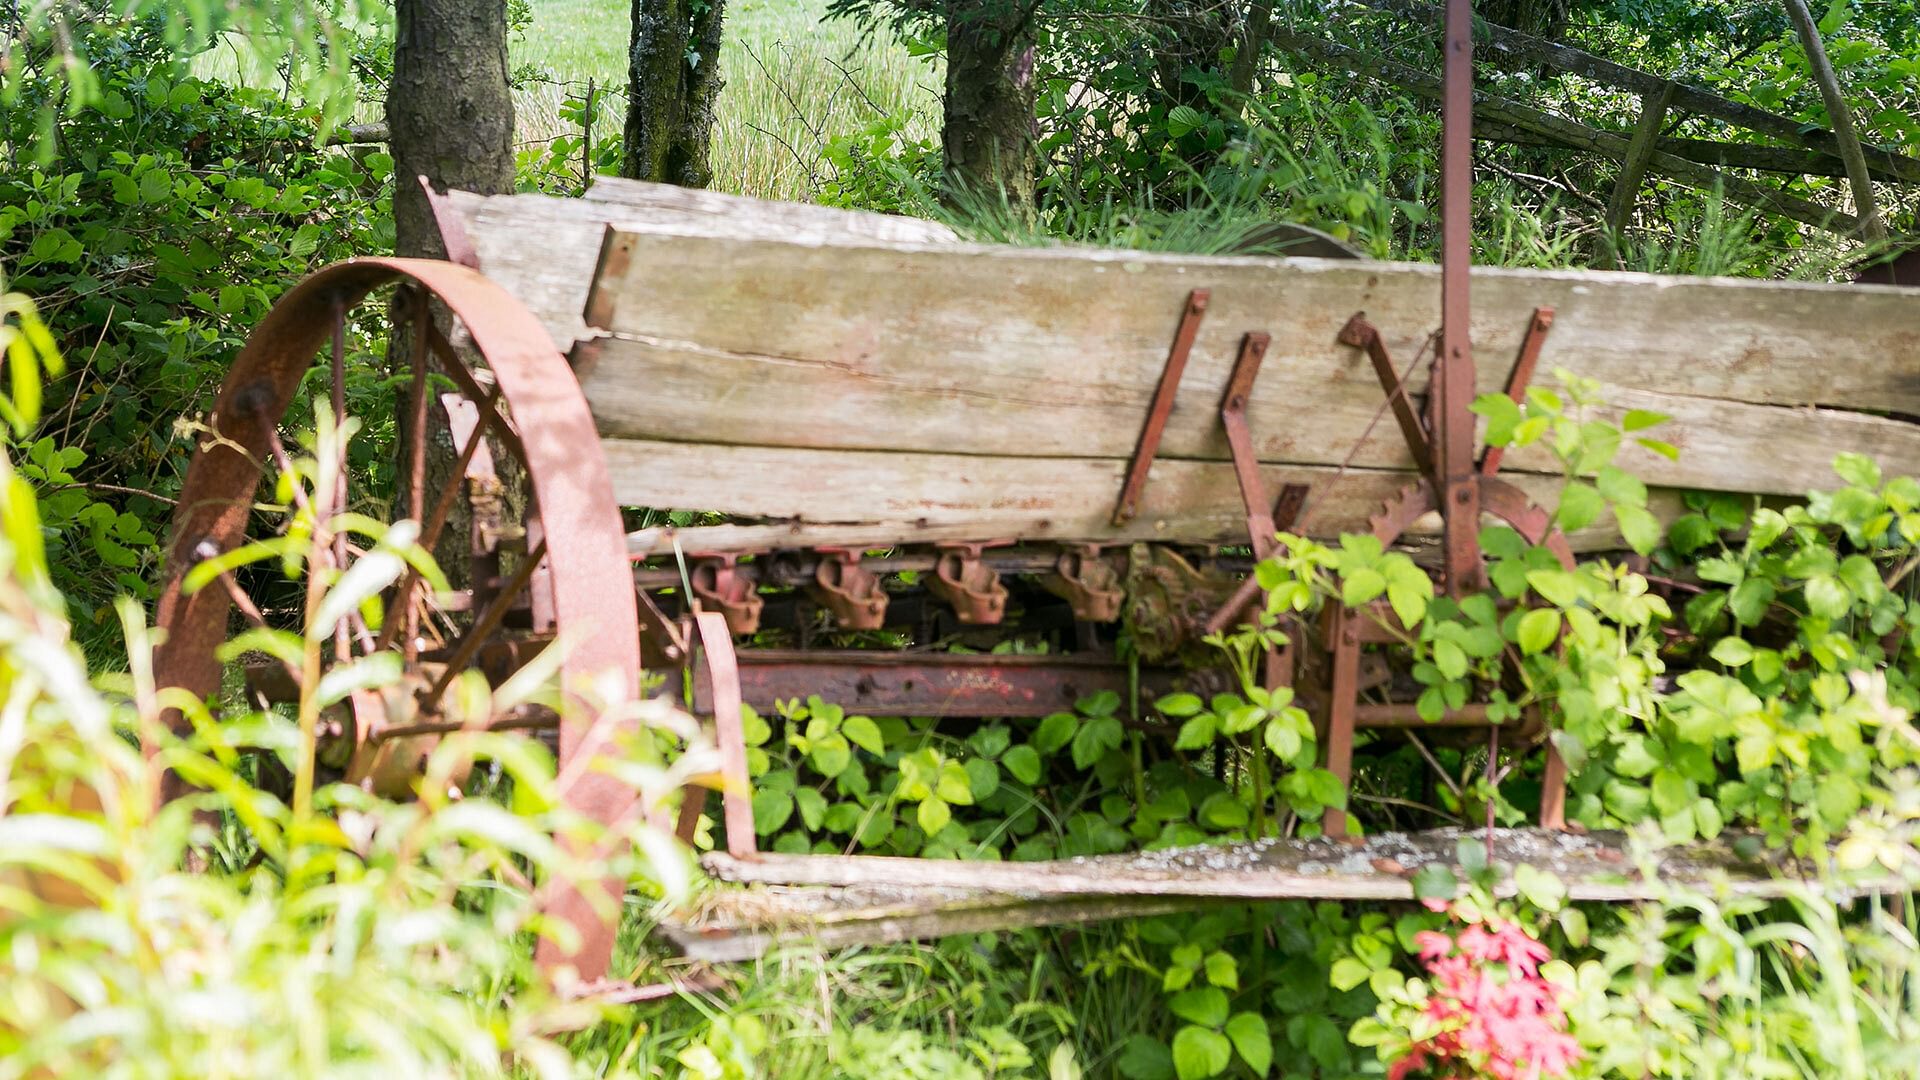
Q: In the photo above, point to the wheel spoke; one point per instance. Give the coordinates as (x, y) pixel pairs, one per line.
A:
(487, 621)
(436, 521)
(416, 456)
(341, 648)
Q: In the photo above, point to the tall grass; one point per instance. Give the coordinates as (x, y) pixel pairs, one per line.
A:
(794, 81)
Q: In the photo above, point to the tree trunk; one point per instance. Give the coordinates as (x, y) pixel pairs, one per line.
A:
(989, 128)
(449, 110)
(450, 118)
(1840, 115)
(1247, 51)
(673, 80)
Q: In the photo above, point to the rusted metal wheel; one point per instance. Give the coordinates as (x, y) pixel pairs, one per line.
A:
(572, 574)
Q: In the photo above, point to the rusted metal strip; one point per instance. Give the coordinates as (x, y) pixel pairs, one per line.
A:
(722, 670)
(453, 231)
(1362, 334)
(1453, 393)
(919, 684)
(1522, 376)
(1163, 395)
(1246, 465)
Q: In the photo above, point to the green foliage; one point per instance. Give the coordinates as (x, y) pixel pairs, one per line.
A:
(175, 212)
(343, 935)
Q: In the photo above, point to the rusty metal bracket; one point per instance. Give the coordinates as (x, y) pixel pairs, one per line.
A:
(1521, 376)
(1362, 334)
(453, 232)
(1163, 395)
(1246, 463)
(718, 585)
(1088, 583)
(849, 591)
(978, 596)
(736, 791)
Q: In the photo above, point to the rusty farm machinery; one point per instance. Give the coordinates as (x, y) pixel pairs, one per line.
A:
(888, 429)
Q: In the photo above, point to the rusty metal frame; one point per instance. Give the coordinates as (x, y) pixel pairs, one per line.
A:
(1163, 397)
(571, 485)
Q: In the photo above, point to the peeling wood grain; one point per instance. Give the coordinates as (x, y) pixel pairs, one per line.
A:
(875, 498)
(543, 249)
(910, 403)
(970, 318)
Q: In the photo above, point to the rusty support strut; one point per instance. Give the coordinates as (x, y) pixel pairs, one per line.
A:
(1163, 396)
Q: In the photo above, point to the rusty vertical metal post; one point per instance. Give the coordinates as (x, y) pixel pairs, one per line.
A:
(1453, 372)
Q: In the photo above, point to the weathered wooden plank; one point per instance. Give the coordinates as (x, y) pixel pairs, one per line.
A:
(1594, 866)
(671, 391)
(874, 498)
(970, 318)
(543, 249)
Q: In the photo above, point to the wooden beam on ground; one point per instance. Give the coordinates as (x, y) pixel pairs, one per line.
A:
(1513, 50)
(1595, 867)
(729, 926)
(1568, 132)
(1789, 160)
(1633, 167)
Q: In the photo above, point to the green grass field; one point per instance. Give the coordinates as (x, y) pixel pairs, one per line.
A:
(794, 80)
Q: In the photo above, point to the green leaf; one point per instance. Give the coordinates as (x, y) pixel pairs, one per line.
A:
(1183, 120)
(1541, 888)
(1732, 651)
(1638, 527)
(1827, 597)
(864, 733)
(1248, 1032)
(1664, 449)
(933, 815)
(954, 784)
(1361, 585)
(812, 806)
(1858, 470)
(1199, 1053)
(771, 809)
(1222, 970)
(1144, 1057)
(1282, 739)
(1348, 972)
(1503, 417)
(1206, 1006)
(1055, 732)
(983, 778)
(1435, 881)
(1410, 597)
(1619, 486)
(1197, 733)
(1580, 505)
(1672, 792)
(1094, 739)
(1224, 810)
(1179, 705)
(1450, 658)
(1024, 763)
(1561, 588)
(1750, 600)
(1642, 419)
(1538, 630)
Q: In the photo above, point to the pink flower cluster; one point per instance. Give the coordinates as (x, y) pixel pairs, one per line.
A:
(1498, 1017)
